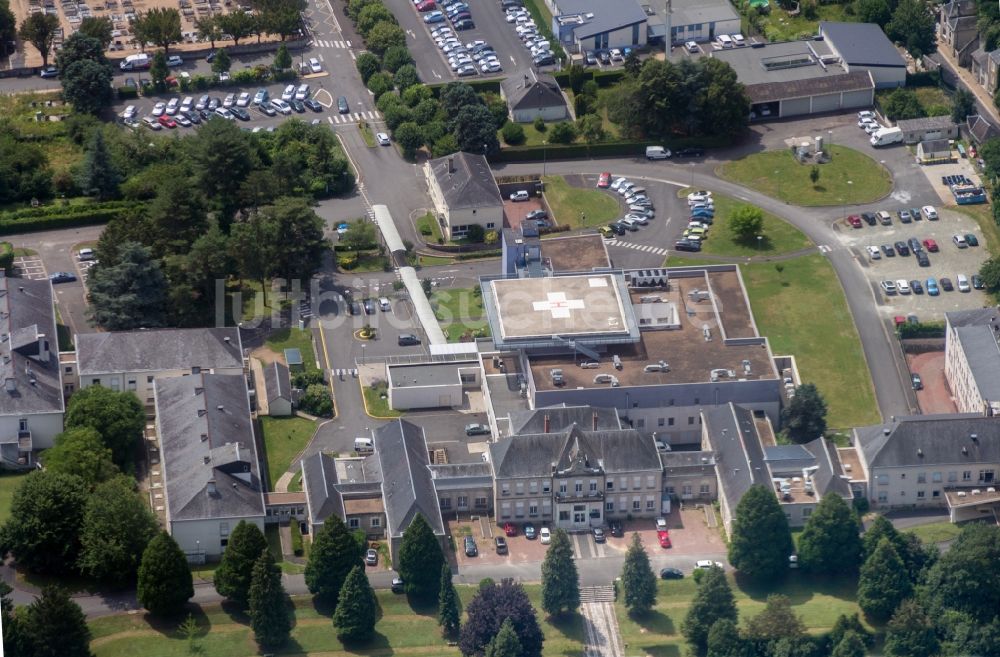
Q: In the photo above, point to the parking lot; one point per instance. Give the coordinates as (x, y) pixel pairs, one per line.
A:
(947, 263)
(934, 397)
(30, 267)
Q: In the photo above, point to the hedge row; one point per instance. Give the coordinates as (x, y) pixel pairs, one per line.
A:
(923, 79)
(602, 78)
(922, 330)
(603, 149)
(53, 217)
(7, 257)
(480, 86)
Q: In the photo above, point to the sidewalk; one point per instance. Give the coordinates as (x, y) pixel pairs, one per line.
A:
(969, 82)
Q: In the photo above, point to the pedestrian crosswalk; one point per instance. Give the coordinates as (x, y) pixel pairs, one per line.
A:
(354, 117)
(648, 248)
(324, 43)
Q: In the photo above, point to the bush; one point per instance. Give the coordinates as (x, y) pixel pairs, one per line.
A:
(379, 84)
(347, 262)
(539, 124)
(476, 233)
(127, 93)
(316, 401)
(513, 134)
(563, 132)
(306, 378)
(297, 547)
(51, 217)
(6, 257)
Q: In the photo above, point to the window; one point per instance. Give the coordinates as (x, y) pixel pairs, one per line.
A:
(806, 512)
(69, 370)
(883, 497)
(952, 476)
(376, 521)
(669, 490)
(967, 475)
(532, 510)
(131, 384)
(463, 501)
(610, 484)
(116, 385)
(650, 505)
(986, 476)
(686, 490)
(578, 487)
(481, 502)
(355, 523)
(609, 507)
(636, 505)
(705, 489)
(920, 494)
(223, 529)
(935, 494)
(690, 419)
(563, 516)
(96, 382)
(22, 424)
(519, 488)
(546, 487)
(593, 487)
(491, 225)
(650, 481)
(640, 423)
(445, 502)
(670, 421)
(505, 489)
(623, 484)
(533, 487)
(921, 477)
(936, 477)
(195, 370)
(660, 422)
(149, 379)
(562, 487)
(636, 482)
(902, 475)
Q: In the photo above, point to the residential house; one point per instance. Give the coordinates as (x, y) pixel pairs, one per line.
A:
(277, 398)
(927, 128)
(463, 488)
(984, 66)
(979, 129)
(209, 459)
(972, 360)
(534, 96)
(32, 402)
(957, 30)
(464, 193)
(133, 360)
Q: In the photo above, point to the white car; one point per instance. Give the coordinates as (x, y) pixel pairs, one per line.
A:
(929, 212)
(544, 536)
(618, 183)
(302, 92)
(243, 100)
(699, 196)
(708, 563)
(962, 283)
(315, 66)
(224, 113)
(874, 253)
(187, 104)
(738, 40)
(172, 106)
(202, 102)
(281, 106)
(518, 196)
(382, 138)
(174, 60)
(229, 101)
(866, 114)
(692, 47)
(182, 121)
(902, 286)
(661, 524)
(288, 93)
(616, 55)
(129, 113)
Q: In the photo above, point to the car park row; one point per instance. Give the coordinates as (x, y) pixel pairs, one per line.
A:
(527, 31)
(640, 208)
(187, 112)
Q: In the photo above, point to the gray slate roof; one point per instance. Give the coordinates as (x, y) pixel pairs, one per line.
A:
(562, 417)
(277, 382)
(466, 181)
(523, 93)
(538, 455)
(959, 8)
(767, 92)
(462, 476)
(733, 436)
(691, 12)
(31, 374)
(981, 129)
(925, 123)
(608, 17)
(931, 440)
(206, 437)
(158, 350)
(319, 479)
(828, 479)
(977, 332)
(862, 44)
(407, 486)
(687, 463)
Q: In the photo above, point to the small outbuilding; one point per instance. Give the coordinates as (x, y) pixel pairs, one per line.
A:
(934, 151)
(928, 128)
(278, 389)
(431, 384)
(530, 96)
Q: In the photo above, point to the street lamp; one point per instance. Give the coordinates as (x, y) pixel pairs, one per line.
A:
(760, 242)
(778, 178)
(545, 145)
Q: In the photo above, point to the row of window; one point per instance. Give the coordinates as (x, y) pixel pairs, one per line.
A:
(355, 523)
(985, 477)
(640, 423)
(462, 502)
(464, 228)
(883, 496)
(686, 490)
(609, 506)
(592, 485)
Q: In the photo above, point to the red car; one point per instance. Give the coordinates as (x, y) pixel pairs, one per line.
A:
(664, 537)
(854, 220)
(931, 245)
(605, 180)
(426, 5)
(167, 122)
(510, 529)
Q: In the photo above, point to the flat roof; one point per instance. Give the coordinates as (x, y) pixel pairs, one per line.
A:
(575, 305)
(426, 374)
(576, 253)
(784, 61)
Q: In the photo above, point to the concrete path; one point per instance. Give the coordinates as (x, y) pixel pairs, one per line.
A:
(281, 486)
(600, 623)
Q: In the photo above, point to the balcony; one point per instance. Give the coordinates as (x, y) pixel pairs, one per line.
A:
(581, 496)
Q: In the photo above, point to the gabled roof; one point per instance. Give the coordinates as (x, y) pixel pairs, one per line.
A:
(407, 486)
(925, 123)
(573, 449)
(207, 442)
(461, 476)
(959, 8)
(692, 12)
(862, 44)
(732, 433)
(29, 349)
(532, 92)
(158, 350)
(601, 16)
(277, 382)
(766, 92)
(466, 181)
(981, 129)
(955, 439)
(977, 332)
(562, 417)
(319, 479)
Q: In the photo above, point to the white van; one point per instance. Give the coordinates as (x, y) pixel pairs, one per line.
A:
(725, 40)
(364, 446)
(136, 62)
(657, 153)
(886, 136)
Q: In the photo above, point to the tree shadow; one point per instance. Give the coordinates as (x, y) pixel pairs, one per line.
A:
(570, 625)
(662, 651)
(169, 626)
(235, 612)
(377, 644)
(819, 188)
(763, 244)
(422, 606)
(654, 622)
(323, 608)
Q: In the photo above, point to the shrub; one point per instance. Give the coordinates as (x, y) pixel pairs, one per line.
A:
(476, 233)
(347, 262)
(127, 93)
(51, 217)
(297, 547)
(316, 401)
(513, 134)
(563, 132)
(539, 124)
(6, 257)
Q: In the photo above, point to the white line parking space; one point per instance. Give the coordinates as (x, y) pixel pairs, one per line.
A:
(355, 117)
(29, 267)
(639, 247)
(331, 44)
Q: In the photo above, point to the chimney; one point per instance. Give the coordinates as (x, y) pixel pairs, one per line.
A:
(545, 427)
(212, 490)
(227, 339)
(21, 288)
(451, 169)
(594, 424)
(220, 407)
(43, 348)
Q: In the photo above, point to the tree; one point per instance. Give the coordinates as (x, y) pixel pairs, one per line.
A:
(475, 130)
(406, 77)
(590, 127)
(40, 31)
(563, 133)
(335, 552)
(804, 418)
(385, 35)
(233, 576)
(963, 104)
(118, 417)
(486, 613)
(457, 95)
(911, 633)
(632, 63)
(560, 581)
(449, 617)
(8, 28)
(207, 28)
(80, 47)
(873, 11)
(99, 176)
(158, 70)
(222, 160)
(164, 583)
(505, 643)
(221, 63)
(238, 24)
(747, 223)
(967, 577)
(159, 26)
(990, 273)
(368, 65)
(299, 231)
(97, 28)
(777, 621)
(475, 234)
(911, 551)
(87, 86)
(420, 560)
(396, 57)
(43, 530)
(638, 580)
(409, 138)
(379, 84)
(830, 543)
(903, 104)
(722, 101)
(814, 174)
(282, 60)
(268, 613)
(372, 15)
(117, 527)
(724, 640)
(513, 134)
(712, 602)
(848, 624)
(81, 451)
(357, 609)
(54, 626)
(849, 646)
(761, 540)
(912, 25)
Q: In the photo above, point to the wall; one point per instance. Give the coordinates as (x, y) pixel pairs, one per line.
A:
(279, 407)
(903, 486)
(958, 374)
(451, 501)
(141, 383)
(411, 397)
(626, 36)
(914, 136)
(551, 113)
(205, 536)
(705, 31)
(689, 486)
(490, 218)
(43, 427)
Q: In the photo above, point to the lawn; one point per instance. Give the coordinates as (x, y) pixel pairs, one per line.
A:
(580, 208)
(936, 532)
(819, 603)
(295, 485)
(367, 134)
(934, 100)
(434, 261)
(850, 178)
(779, 235)
(255, 305)
(430, 229)
(377, 401)
(984, 217)
(402, 630)
(284, 439)
(365, 261)
(293, 338)
(9, 481)
(777, 25)
(460, 313)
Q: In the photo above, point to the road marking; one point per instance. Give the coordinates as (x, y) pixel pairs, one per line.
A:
(512, 60)
(330, 119)
(639, 247)
(351, 53)
(320, 55)
(823, 248)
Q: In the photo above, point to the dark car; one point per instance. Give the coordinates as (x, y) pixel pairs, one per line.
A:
(922, 259)
(546, 59)
(915, 213)
(604, 56)
(464, 24)
(470, 547)
(916, 287)
(501, 544)
(62, 277)
(355, 308)
(476, 429)
(342, 105)
(916, 381)
(397, 585)
(946, 285)
(193, 116)
(590, 58)
(463, 15)
(530, 532)
(689, 152)
(687, 245)
(904, 216)
(617, 228)
(888, 251)
(369, 306)
(671, 573)
(915, 244)
(297, 105)
(977, 282)
(616, 528)
(971, 239)
(536, 214)
(313, 105)
(901, 248)
(240, 113)
(371, 558)
(599, 536)
(869, 218)
(407, 340)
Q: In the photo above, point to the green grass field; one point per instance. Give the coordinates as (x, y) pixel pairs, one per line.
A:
(569, 203)
(460, 313)
(429, 228)
(284, 438)
(850, 178)
(936, 532)
(779, 235)
(375, 405)
(779, 26)
(9, 481)
(290, 338)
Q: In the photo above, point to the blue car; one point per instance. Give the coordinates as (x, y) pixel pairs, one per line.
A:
(708, 214)
(932, 287)
(434, 17)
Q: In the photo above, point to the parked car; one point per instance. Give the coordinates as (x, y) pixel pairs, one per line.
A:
(664, 537)
(240, 113)
(692, 47)
(49, 72)
(932, 287)
(174, 61)
(902, 248)
(315, 66)
(916, 381)
(888, 251)
(931, 245)
(916, 286)
(536, 215)
(962, 281)
(383, 139)
(888, 287)
(977, 282)
(599, 536)
(520, 195)
(397, 585)
(904, 216)
(407, 340)
(855, 221)
(342, 105)
(946, 285)
(61, 277)
(922, 259)
(501, 544)
(604, 180)
(873, 252)
(471, 550)
(530, 532)
(510, 529)
(313, 105)
(705, 564)
(960, 241)
(671, 573)
(167, 122)
(476, 430)
(261, 97)
(371, 558)
(288, 93)
(869, 218)
(929, 212)
(971, 239)
(545, 536)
